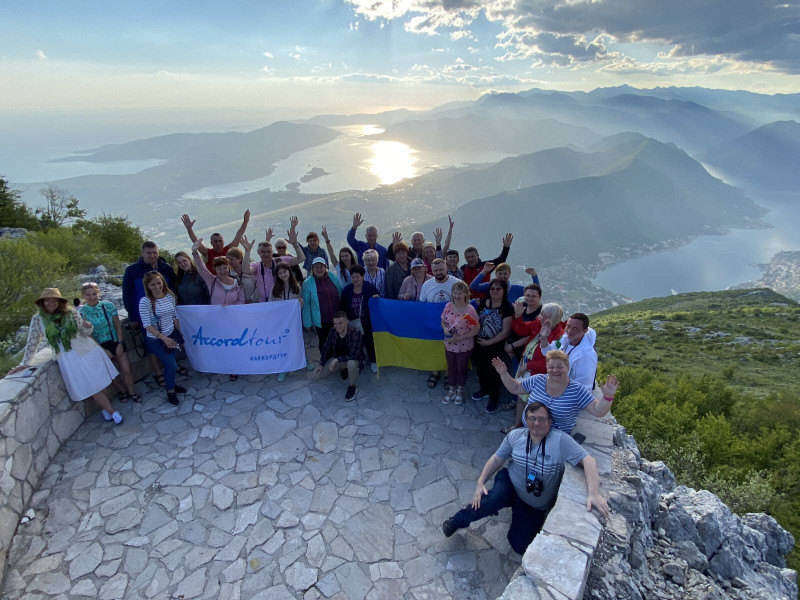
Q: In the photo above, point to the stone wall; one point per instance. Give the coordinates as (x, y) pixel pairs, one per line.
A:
(557, 563)
(36, 418)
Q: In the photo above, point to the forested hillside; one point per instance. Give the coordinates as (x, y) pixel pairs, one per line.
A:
(709, 386)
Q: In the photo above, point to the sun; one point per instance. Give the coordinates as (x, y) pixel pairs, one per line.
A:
(392, 161)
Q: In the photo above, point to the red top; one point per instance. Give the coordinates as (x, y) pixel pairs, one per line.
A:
(538, 365)
(211, 255)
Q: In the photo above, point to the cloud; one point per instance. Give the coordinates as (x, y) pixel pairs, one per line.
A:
(563, 32)
(41, 55)
(266, 69)
(269, 55)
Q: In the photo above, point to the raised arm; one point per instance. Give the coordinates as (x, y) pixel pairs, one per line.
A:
(396, 238)
(189, 224)
(207, 276)
(301, 256)
(351, 236)
(507, 239)
(248, 250)
(449, 237)
(512, 385)
(532, 272)
(477, 284)
(238, 237)
(600, 406)
(329, 246)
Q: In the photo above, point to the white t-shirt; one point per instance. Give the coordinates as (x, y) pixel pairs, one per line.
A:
(433, 291)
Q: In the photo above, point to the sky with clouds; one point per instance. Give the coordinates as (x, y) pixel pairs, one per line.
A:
(350, 55)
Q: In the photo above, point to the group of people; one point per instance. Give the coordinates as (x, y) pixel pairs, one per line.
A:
(504, 329)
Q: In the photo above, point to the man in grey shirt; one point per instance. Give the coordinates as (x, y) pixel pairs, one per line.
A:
(530, 483)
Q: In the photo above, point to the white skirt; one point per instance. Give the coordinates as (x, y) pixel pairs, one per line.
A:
(86, 368)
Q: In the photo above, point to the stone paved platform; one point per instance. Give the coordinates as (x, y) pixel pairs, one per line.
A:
(256, 489)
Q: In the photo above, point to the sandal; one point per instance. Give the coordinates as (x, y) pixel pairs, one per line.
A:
(183, 371)
(507, 429)
(459, 398)
(124, 397)
(160, 380)
(510, 405)
(234, 377)
(135, 397)
(433, 380)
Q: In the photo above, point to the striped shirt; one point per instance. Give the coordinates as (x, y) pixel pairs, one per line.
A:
(164, 317)
(566, 407)
(557, 447)
(379, 281)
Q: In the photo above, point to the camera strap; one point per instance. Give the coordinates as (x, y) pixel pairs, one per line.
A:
(528, 446)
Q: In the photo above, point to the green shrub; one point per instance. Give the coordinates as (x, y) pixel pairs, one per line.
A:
(80, 252)
(25, 268)
(116, 236)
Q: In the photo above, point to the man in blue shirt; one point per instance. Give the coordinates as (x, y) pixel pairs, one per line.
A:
(372, 242)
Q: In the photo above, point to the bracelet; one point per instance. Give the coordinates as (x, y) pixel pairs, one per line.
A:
(607, 399)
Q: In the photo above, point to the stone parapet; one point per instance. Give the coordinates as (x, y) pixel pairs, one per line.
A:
(36, 419)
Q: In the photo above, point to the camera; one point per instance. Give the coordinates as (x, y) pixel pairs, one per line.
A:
(533, 485)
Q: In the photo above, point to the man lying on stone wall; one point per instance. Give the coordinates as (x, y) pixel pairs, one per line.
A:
(530, 483)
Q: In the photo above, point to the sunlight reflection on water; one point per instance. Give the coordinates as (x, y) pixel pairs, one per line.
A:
(392, 161)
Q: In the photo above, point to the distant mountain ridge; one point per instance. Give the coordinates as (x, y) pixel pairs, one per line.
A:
(768, 155)
(481, 133)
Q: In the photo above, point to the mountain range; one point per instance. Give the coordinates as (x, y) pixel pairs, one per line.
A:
(602, 171)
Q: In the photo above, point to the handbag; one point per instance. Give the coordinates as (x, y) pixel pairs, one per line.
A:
(175, 334)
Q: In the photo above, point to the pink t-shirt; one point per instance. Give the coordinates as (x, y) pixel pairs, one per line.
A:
(461, 324)
(263, 276)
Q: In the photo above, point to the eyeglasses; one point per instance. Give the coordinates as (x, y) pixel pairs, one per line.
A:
(89, 284)
(280, 247)
(539, 420)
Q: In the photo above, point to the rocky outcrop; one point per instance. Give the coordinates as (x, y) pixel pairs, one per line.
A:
(12, 232)
(663, 541)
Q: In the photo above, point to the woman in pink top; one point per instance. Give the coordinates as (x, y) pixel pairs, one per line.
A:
(460, 324)
(222, 288)
(412, 284)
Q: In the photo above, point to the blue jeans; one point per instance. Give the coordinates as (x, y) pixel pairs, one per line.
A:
(169, 360)
(526, 521)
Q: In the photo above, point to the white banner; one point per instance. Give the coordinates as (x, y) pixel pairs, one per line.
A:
(244, 339)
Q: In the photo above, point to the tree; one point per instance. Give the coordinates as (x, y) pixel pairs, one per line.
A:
(13, 211)
(60, 207)
(117, 235)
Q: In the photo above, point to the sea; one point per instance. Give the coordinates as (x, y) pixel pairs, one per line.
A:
(353, 162)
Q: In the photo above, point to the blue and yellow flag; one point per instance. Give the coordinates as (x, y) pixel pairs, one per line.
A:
(408, 334)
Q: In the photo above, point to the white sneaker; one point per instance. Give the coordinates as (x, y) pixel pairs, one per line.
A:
(107, 415)
(374, 367)
(117, 417)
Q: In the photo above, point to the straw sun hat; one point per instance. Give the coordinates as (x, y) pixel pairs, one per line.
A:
(49, 293)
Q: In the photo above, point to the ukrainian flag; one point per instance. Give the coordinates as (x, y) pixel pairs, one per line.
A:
(408, 334)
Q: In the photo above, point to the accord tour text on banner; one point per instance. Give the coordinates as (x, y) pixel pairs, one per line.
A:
(244, 339)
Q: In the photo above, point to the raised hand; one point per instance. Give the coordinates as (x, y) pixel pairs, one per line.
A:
(187, 221)
(197, 244)
(507, 239)
(293, 221)
(397, 237)
(530, 271)
(544, 333)
(610, 387)
(519, 309)
(499, 366)
(488, 268)
(247, 244)
(325, 234)
(357, 220)
(270, 235)
(291, 235)
(451, 222)
(246, 217)
(437, 235)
